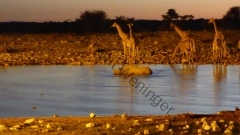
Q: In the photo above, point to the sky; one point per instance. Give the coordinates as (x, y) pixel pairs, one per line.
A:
(60, 10)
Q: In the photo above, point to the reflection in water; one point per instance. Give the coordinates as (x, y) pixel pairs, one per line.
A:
(186, 75)
(219, 73)
(219, 80)
(127, 92)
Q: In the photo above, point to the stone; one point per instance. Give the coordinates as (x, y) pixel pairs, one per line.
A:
(124, 116)
(34, 126)
(221, 121)
(29, 121)
(40, 121)
(59, 129)
(207, 127)
(199, 131)
(227, 131)
(92, 115)
(150, 119)
(146, 132)
(55, 116)
(3, 127)
(161, 127)
(203, 119)
(89, 125)
(48, 126)
(135, 122)
(108, 126)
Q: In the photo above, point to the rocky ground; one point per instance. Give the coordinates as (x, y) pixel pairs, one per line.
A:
(154, 48)
(222, 123)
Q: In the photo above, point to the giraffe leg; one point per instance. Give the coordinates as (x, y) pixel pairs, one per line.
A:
(133, 51)
(124, 51)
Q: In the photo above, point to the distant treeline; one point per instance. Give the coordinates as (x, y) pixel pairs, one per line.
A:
(104, 26)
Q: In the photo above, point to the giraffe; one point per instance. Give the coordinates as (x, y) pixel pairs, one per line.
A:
(219, 35)
(184, 35)
(92, 48)
(131, 42)
(186, 43)
(123, 36)
(217, 51)
(186, 49)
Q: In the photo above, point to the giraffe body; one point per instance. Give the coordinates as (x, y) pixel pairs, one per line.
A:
(186, 45)
(123, 36)
(217, 50)
(184, 35)
(131, 43)
(187, 49)
(219, 35)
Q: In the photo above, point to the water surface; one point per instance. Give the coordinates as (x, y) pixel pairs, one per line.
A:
(79, 90)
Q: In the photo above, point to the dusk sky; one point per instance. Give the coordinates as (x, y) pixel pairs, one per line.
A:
(60, 10)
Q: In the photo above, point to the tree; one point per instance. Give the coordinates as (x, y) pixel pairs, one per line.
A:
(93, 15)
(185, 17)
(92, 21)
(171, 14)
(123, 18)
(232, 17)
(233, 13)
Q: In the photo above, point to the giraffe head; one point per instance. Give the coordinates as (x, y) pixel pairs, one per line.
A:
(130, 25)
(114, 24)
(172, 25)
(211, 20)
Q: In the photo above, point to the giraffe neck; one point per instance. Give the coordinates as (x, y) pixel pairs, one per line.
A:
(179, 31)
(121, 33)
(215, 26)
(130, 31)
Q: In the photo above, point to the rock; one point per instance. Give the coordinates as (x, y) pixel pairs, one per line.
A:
(13, 128)
(207, 127)
(171, 131)
(187, 126)
(108, 126)
(45, 130)
(29, 121)
(124, 116)
(59, 129)
(89, 125)
(34, 126)
(40, 121)
(161, 127)
(3, 127)
(55, 116)
(221, 121)
(135, 122)
(203, 120)
(227, 131)
(150, 119)
(146, 132)
(231, 123)
(215, 127)
(48, 126)
(199, 131)
(63, 41)
(92, 115)
(230, 127)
